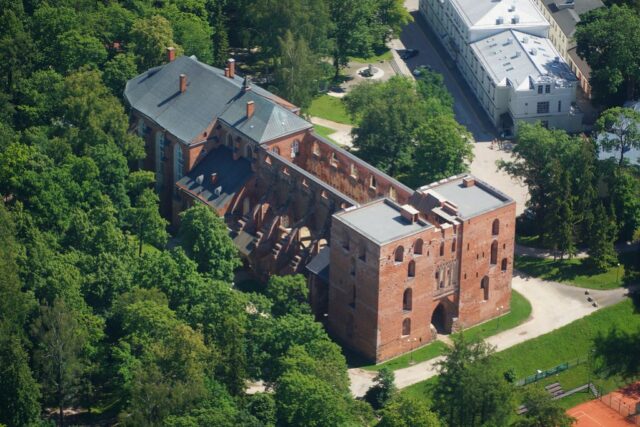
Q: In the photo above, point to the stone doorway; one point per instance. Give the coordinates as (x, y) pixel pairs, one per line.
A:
(439, 320)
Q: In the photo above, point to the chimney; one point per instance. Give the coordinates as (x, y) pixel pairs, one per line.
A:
(171, 54)
(183, 83)
(409, 213)
(251, 106)
(468, 181)
(231, 65)
(214, 178)
(226, 71)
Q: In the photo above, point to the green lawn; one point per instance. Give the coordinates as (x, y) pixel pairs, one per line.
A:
(325, 132)
(530, 241)
(381, 55)
(568, 343)
(330, 108)
(572, 271)
(520, 311)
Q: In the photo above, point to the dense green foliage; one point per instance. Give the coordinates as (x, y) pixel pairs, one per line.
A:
(407, 129)
(96, 312)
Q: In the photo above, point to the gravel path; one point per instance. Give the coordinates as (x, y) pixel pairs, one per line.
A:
(553, 305)
(342, 133)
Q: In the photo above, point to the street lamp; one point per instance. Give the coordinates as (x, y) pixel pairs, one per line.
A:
(499, 310)
(411, 341)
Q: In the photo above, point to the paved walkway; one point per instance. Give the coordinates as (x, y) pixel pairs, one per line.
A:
(553, 305)
(342, 133)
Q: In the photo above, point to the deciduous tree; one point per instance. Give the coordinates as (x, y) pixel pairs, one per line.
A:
(618, 129)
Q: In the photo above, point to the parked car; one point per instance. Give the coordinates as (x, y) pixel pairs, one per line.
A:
(409, 53)
(419, 70)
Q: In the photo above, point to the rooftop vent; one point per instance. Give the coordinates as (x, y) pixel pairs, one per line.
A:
(533, 51)
(517, 54)
(508, 41)
(515, 19)
(409, 213)
(499, 20)
(468, 181)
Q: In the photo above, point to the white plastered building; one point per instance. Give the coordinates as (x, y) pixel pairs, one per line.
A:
(502, 50)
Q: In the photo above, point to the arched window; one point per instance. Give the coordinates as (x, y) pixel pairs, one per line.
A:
(417, 247)
(353, 171)
(442, 249)
(503, 264)
(406, 327)
(399, 254)
(406, 299)
(484, 285)
(178, 162)
(333, 159)
(295, 148)
(412, 269)
(494, 252)
(495, 227)
(275, 150)
(160, 142)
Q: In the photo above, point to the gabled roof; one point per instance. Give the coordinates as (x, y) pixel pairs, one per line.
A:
(209, 95)
(567, 13)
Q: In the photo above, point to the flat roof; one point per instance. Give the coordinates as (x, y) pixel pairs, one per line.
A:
(516, 58)
(381, 221)
(485, 13)
(472, 200)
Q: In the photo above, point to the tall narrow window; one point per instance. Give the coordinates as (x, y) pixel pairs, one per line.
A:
(417, 247)
(484, 285)
(178, 162)
(495, 227)
(559, 106)
(248, 152)
(372, 182)
(442, 249)
(295, 148)
(453, 245)
(406, 327)
(353, 267)
(399, 254)
(494, 252)
(229, 140)
(315, 148)
(406, 299)
(503, 265)
(353, 297)
(412, 269)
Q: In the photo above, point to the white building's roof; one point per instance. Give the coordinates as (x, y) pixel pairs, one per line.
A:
(486, 13)
(522, 60)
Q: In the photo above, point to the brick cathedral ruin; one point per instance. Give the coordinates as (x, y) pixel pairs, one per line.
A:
(388, 267)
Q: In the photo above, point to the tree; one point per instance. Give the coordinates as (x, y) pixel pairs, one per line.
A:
(151, 37)
(351, 33)
(194, 35)
(602, 253)
(406, 411)
(469, 392)
(391, 16)
(383, 390)
(263, 407)
(76, 50)
(607, 39)
(16, 46)
(219, 36)
(289, 295)
(558, 227)
(297, 71)
(303, 400)
(118, 70)
(146, 221)
(59, 353)
(205, 238)
(542, 411)
(618, 129)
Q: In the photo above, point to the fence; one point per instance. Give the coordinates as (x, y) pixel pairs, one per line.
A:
(540, 375)
(624, 409)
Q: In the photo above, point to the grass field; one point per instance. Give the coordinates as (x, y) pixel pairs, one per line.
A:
(520, 311)
(574, 271)
(330, 108)
(381, 55)
(562, 345)
(324, 132)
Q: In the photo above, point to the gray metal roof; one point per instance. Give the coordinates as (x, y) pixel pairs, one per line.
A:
(209, 95)
(567, 13)
(319, 265)
(231, 175)
(472, 200)
(380, 221)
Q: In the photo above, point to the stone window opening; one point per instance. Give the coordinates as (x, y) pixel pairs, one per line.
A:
(295, 149)
(411, 269)
(392, 193)
(353, 171)
(333, 160)
(229, 140)
(494, 253)
(248, 152)
(406, 327)
(406, 299)
(417, 247)
(345, 244)
(315, 148)
(484, 285)
(372, 182)
(353, 297)
(275, 150)
(441, 248)
(362, 253)
(503, 264)
(399, 254)
(495, 227)
(353, 267)
(453, 246)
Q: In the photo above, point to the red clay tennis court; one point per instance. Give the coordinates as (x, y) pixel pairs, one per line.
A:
(612, 410)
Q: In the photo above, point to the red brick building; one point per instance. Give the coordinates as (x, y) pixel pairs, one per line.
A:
(388, 266)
